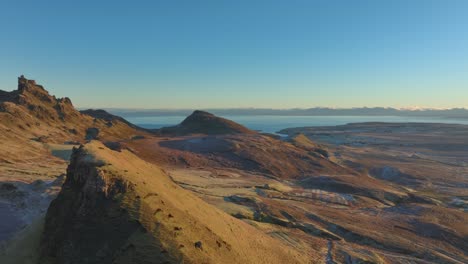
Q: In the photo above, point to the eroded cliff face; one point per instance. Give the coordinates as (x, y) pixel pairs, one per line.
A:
(88, 222)
(30, 117)
(37, 133)
(116, 208)
(32, 113)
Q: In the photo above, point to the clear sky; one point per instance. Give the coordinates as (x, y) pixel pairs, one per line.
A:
(217, 54)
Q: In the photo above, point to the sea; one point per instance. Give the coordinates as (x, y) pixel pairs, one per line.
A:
(274, 123)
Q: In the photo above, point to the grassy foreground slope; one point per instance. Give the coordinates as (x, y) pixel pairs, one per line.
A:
(117, 208)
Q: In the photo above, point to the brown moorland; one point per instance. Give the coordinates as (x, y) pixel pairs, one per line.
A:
(362, 193)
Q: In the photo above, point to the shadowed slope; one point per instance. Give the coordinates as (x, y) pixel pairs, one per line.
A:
(251, 152)
(104, 115)
(116, 208)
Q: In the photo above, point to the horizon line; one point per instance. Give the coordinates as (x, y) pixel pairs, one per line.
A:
(278, 109)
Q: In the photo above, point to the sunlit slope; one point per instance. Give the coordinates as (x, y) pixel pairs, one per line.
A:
(116, 208)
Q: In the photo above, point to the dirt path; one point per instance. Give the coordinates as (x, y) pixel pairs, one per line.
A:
(329, 259)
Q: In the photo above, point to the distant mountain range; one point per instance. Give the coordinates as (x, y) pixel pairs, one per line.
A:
(319, 111)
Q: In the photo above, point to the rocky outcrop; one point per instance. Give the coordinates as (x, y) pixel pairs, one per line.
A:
(301, 141)
(86, 225)
(116, 208)
(41, 104)
(30, 111)
(92, 133)
(200, 122)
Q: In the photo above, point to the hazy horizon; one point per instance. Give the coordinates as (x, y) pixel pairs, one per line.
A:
(222, 54)
(277, 109)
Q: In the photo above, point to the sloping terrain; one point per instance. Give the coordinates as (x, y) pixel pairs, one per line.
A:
(110, 118)
(359, 229)
(426, 162)
(428, 158)
(346, 215)
(31, 113)
(360, 193)
(200, 122)
(37, 133)
(256, 153)
(33, 125)
(116, 208)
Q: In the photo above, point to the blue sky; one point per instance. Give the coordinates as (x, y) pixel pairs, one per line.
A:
(217, 54)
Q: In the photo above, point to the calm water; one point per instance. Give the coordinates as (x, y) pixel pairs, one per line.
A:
(272, 124)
